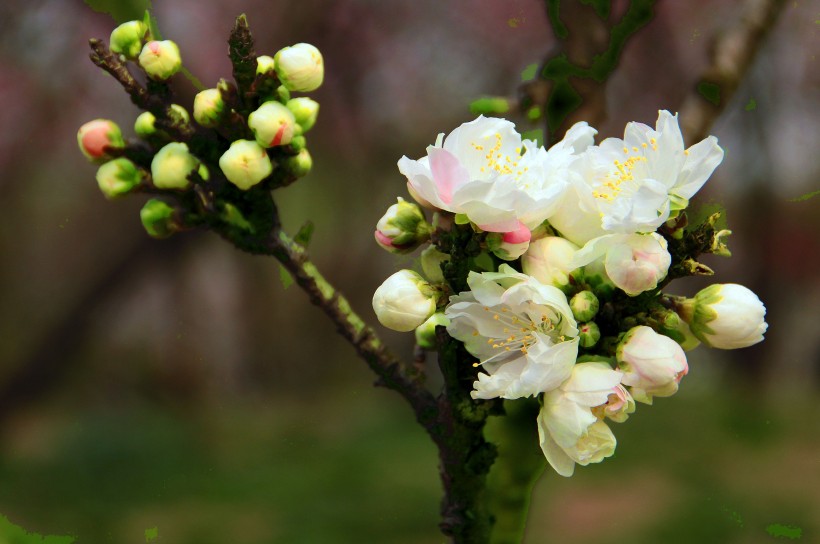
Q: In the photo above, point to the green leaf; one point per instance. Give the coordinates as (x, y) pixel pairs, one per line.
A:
(529, 72)
(305, 234)
(490, 105)
(285, 277)
(536, 134)
(121, 10)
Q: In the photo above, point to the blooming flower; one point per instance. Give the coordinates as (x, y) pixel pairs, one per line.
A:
(632, 185)
(652, 364)
(485, 171)
(570, 425)
(725, 316)
(404, 301)
(521, 330)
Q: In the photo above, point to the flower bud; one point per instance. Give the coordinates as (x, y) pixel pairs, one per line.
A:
(96, 136)
(548, 260)
(172, 165)
(145, 125)
(638, 262)
(588, 334)
(160, 59)
(652, 364)
(264, 64)
(426, 332)
(127, 39)
(584, 306)
(509, 245)
(118, 177)
(305, 110)
(159, 219)
(431, 261)
(178, 114)
(402, 228)
(300, 67)
(245, 164)
(404, 301)
(272, 124)
(725, 316)
(300, 164)
(208, 107)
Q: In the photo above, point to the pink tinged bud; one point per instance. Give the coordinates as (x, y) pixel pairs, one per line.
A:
(652, 364)
(97, 136)
(521, 235)
(402, 228)
(272, 124)
(638, 263)
(510, 245)
(160, 59)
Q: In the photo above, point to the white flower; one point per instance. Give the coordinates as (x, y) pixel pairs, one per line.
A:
(549, 260)
(521, 330)
(570, 426)
(485, 171)
(632, 185)
(404, 301)
(652, 364)
(725, 316)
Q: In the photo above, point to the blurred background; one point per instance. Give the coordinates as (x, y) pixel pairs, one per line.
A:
(176, 388)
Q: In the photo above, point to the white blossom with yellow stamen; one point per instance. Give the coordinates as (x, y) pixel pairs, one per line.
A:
(485, 171)
(521, 330)
(633, 185)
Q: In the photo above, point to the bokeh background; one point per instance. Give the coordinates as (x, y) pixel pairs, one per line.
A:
(176, 391)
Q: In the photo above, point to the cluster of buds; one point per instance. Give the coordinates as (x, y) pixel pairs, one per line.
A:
(243, 135)
(564, 253)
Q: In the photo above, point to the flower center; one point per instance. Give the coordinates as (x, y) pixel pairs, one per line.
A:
(519, 330)
(500, 162)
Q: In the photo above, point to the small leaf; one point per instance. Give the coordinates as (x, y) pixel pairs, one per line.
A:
(490, 105)
(285, 277)
(529, 72)
(305, 234)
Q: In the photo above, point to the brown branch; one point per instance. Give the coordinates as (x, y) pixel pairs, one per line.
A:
(732, 54)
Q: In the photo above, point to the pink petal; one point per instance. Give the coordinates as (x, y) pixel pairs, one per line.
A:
(448, 173)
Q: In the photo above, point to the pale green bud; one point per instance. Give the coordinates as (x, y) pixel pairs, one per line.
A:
(179, 114)
(118, 177)
(97, 137)
(300, 164)
(127, 39)
(725, 316)
(584, 306)
(588, 334)
(172, 165)
(305, 110)
(404, 301)
(208, 107)
(272, 124)
(160, 59)
(264, 64)
(402, 228)
(298, 143)
(159, 219)
(145, 126)
(245, 164)
(426, 332)
(300, 67)
(431, 261)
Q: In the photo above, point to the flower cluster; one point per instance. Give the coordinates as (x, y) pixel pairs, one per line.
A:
(256, 127)
(565, 252)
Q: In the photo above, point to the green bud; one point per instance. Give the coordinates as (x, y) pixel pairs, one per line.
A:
(490, 105)
(97, 137)
(159, 219)
(208, 107)
(402, 228)
(431, 260)
(118, 177)
(426, 332)
(584, 306)
(179, 114)
(127, 39)
(305, 110)
(272, 124)
(264, 64)
(588, 334)
(145, 126)
(282, 94)
(299, 165)
(160, 59)
(172, 165)
(245, 164)
(298, 143)
(300, 67)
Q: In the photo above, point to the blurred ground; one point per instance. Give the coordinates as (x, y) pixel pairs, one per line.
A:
(177, 385)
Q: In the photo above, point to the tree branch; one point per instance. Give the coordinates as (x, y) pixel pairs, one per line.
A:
(732, 54)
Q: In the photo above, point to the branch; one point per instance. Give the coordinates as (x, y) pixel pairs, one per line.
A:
(732, 54)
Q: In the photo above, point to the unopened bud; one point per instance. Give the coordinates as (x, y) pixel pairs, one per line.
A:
(300, 164)
(431, 260)
(588, 334)
(172, 165)
(179, 115)
(725, 316)
(426, 332)
(548, 260)
(584, 306)
(127, 39)
(245, 164)
(305, 110)
(118, 177)
(160, 59)
(402, 228)
(208, 107)
(159, 219)
(264, 64)
(98, 136)
(300, 67)
(404, 301)
(145, 125)
(272, 124)
(509, 245)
